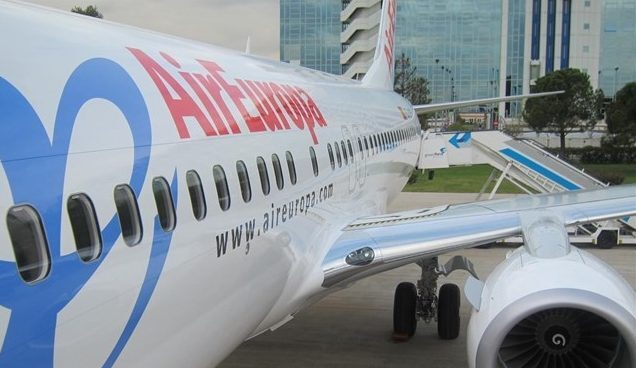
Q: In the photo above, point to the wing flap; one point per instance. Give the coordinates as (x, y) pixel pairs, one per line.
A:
(374, 244)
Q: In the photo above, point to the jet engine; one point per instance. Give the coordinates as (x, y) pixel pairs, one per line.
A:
(551, 305)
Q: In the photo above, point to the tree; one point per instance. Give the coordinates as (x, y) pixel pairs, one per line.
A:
(90, 10)
(621, 116)
(578, 108)
(410, 85)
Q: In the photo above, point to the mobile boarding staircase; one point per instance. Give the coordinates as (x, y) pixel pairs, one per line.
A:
(527, 165)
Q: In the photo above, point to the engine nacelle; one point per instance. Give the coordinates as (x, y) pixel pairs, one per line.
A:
(560, 310)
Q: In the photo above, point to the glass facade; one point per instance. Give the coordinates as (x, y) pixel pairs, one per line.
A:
(310, 33)
(455, 44)
(618, 48)
(515, 56)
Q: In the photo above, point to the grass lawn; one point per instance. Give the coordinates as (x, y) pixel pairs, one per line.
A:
(470, 179)
(628, 170)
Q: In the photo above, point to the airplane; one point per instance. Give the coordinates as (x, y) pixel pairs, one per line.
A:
(164, 200)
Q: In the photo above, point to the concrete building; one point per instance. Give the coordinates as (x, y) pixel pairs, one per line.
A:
(360, 21)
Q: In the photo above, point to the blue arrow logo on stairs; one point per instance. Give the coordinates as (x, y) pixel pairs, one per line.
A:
(456, 140)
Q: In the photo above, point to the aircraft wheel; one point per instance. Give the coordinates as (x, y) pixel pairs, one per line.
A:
(404, 321)
(448, 312)
(607, 239)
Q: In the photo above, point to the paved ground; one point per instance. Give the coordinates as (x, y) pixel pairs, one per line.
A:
(352, 328)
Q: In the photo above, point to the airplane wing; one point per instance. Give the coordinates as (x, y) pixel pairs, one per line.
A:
(424, 109)
(371, 245)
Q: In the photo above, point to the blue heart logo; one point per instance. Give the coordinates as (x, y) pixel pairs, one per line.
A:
(39, 181)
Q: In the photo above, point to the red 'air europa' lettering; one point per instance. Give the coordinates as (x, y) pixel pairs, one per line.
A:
(219, 103)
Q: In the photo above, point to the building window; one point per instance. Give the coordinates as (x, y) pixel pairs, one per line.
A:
(588, 3)
(331, 159)
(30, 247)
(222, 190)
(586, 26)
(244, 181)
(291, 166)
(165, 205)
(197, 196)
(128, 213)
(314, 161)
(586, 48)
(88, 238)
(375, 141)
(350, 150)
(278, 172)
(360, 148)
(366, 146)
(264, 176)
(338, 157)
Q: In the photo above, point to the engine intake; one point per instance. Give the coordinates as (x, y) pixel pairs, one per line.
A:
(563, 337)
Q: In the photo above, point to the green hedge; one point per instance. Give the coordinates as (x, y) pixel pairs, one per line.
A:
(600, 155)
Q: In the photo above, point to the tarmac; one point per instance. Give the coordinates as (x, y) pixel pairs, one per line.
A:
(352, 327)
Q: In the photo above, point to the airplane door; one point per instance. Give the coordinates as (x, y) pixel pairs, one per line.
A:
(346, 134)
(361, 163)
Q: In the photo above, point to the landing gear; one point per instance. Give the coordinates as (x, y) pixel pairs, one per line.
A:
(422, 302)
(448, 312)
(404, 321)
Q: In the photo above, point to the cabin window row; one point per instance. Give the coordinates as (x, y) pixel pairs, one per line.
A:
(30, 244)
(27, 230)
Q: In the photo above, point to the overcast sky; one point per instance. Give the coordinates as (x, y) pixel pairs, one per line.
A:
(225, 23)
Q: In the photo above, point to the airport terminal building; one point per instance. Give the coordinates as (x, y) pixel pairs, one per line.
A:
(469, 49)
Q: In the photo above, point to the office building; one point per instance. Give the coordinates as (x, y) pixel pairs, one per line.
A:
(468, 49)
(310, 33)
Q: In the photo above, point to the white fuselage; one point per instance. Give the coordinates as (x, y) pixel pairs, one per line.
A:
(84, 87)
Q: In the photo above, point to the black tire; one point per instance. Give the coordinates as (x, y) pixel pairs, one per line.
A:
(607, 239)
(448, 312)
(404, 321)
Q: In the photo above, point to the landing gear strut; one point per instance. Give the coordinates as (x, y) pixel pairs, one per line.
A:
(422, 302)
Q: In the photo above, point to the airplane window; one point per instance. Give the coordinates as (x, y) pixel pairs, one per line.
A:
(366, 146)
(244, 181)
(278, 172)
(29, 243)
(292, 167)
(262, 173)
(360, 147)
(197, 196)
(382, 138)
(222, 190)
(314, 162)
(344, 153)
(165, 205)
(350, 150)
(375, 143)
(338, 154)
(331, 159)
(81, 214)
(128, 213)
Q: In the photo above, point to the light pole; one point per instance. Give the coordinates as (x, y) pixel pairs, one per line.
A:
(615, 76)
(434, 73)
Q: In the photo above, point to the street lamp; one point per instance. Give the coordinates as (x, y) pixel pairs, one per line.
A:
(615, 75)
(433, 94)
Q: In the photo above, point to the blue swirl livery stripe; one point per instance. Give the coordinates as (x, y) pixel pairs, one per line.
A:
(35, 167)
(540, 169)
(160, 246)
